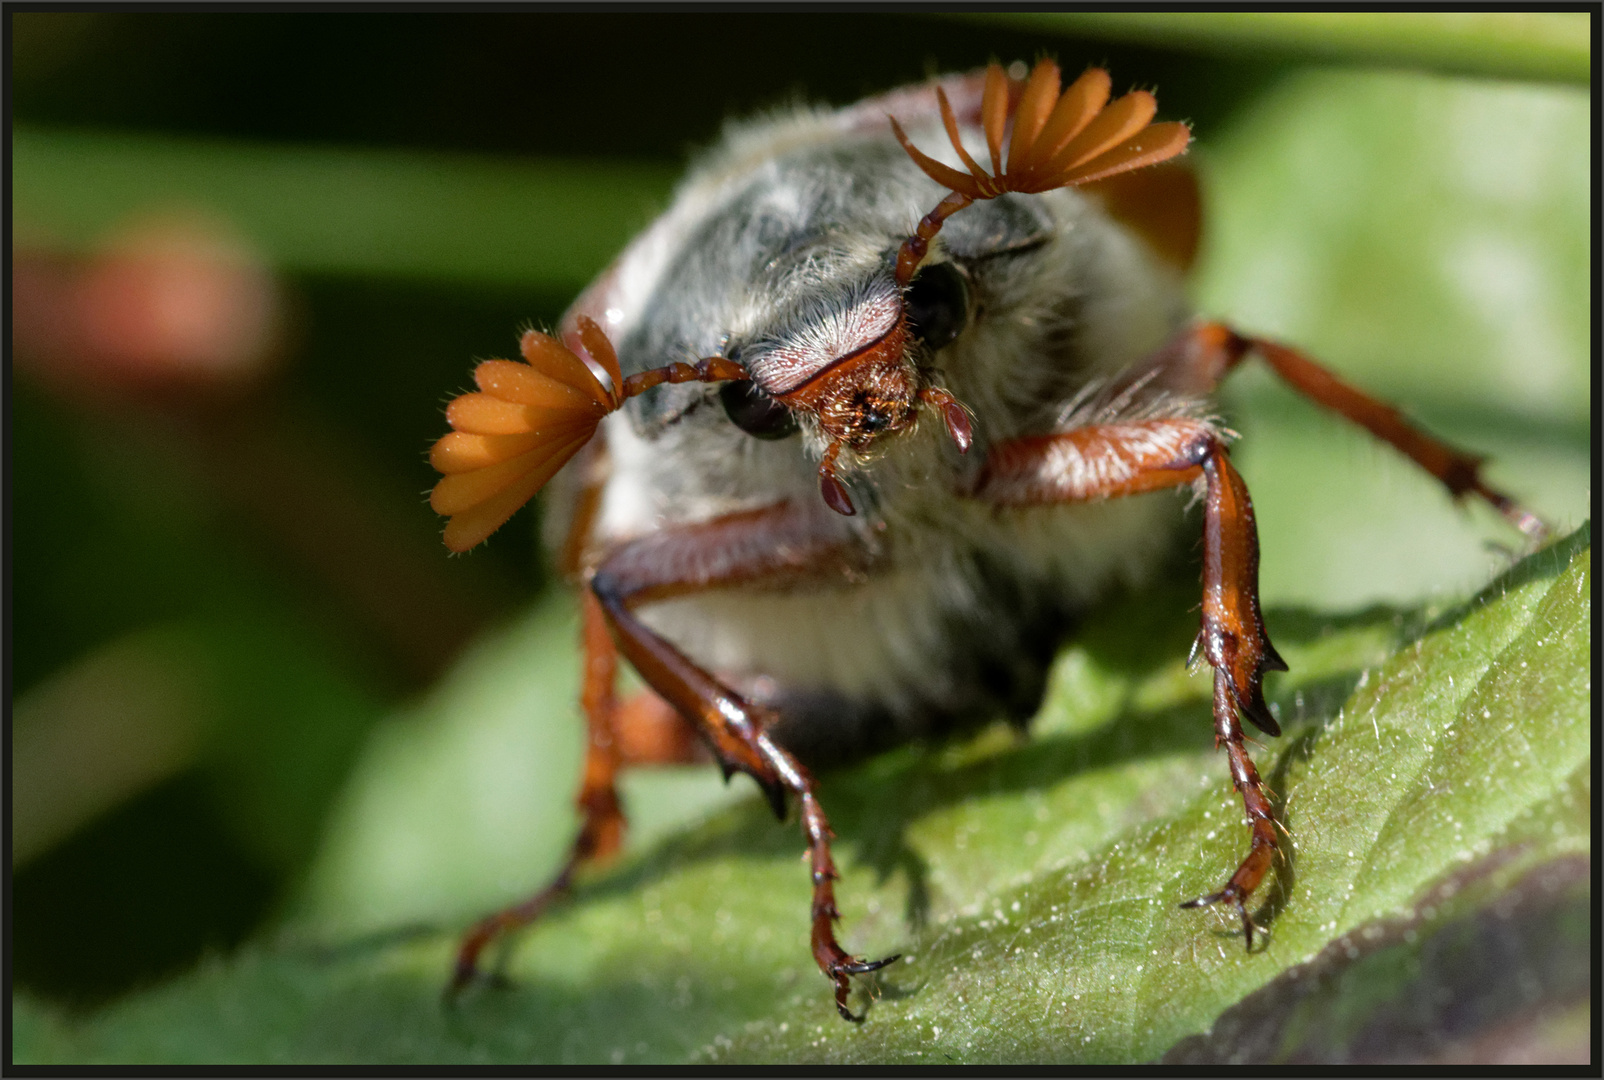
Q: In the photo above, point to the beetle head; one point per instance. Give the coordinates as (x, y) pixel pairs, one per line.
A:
(853, 373)
(865, 395)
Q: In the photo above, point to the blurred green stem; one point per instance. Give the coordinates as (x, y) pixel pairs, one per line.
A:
(546, 223)
(1543, 45)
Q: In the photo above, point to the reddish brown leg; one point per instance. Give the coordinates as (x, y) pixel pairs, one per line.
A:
(601, 831)
(768, 547)
(1261, 819)
(640, 731)
(649, 731)
(1236, 645)
(1205, 353)
(1108, 460)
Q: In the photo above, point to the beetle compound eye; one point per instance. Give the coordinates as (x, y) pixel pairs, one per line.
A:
(754, 411)
(938, 304)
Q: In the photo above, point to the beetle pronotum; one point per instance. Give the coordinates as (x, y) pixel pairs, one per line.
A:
(743, 398)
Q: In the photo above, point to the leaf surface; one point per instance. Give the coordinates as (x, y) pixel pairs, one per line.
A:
(1033, 887)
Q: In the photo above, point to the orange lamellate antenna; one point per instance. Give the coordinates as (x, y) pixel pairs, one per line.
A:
(1058, 140)
(528, 419)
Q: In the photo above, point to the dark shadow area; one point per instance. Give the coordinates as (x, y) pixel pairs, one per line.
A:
(110, 910)
(402, 349)
(532, 82)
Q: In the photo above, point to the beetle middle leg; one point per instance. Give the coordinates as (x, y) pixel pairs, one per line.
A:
(767, 548)
(1109, 460)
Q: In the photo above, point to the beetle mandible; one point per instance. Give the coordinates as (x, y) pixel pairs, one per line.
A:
(860, 422)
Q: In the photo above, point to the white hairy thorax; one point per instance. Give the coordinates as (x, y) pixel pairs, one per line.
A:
(768, 246)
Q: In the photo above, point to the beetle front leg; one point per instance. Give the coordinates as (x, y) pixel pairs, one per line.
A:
(1236, 645)
(1261, 818)
(767, 547)
(1110, 460)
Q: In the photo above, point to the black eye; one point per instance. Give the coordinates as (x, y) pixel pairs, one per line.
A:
(938, 304)
(754, 412)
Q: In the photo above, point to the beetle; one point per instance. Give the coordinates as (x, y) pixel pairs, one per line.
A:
(843, 441)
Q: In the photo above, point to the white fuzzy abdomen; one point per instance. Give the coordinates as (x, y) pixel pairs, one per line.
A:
(892, 640)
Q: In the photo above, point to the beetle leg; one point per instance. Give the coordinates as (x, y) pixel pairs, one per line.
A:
(601, 831)
(1206, 352)
(1108, 460)
(1235, 643)
(650, 731)
(1262, 847)
(729, 724)
(762, 548)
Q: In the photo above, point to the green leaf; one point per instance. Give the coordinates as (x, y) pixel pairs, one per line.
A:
(1425, 238)
(1032, 886)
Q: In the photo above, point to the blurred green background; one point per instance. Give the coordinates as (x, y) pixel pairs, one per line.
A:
(254, 254)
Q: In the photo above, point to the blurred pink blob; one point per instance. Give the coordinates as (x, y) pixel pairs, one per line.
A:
(168, 303)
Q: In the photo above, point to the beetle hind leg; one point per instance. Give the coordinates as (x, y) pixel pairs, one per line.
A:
(641, 730)
(1197, 359)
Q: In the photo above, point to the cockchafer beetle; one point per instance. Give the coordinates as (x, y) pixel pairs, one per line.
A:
(859, 423)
